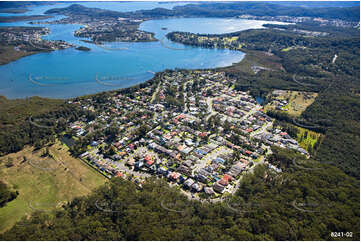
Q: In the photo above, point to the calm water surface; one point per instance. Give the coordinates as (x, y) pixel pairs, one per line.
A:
(69, 73)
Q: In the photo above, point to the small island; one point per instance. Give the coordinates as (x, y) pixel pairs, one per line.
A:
(83, 48)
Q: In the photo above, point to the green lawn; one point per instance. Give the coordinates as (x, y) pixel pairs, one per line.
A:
(41, 189)
(309, 140)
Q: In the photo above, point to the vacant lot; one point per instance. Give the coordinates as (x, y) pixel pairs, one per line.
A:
(297, 101)
(307, 138)
(45, 179)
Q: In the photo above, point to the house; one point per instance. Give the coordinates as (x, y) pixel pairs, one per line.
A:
(147, 158)
(192, 158)
(162, 170)
(174, 176)
(184, 170)
(187, 150)
(200, 151)
(228, 178)
(188, 163)
(118, 174)
(149, 163)
(188, 183)
(130, 162)
(197, 187)
(223, 182)
(189, 142)
(218, 187)
(219, 160)
(84, 155)
(274, 168)
(181, 179)
(201, 178)
(138, 164)
(208, 190)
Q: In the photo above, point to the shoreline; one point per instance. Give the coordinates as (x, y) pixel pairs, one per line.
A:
(10, 55)
(12, 19)
(142, 82)
(220, 68)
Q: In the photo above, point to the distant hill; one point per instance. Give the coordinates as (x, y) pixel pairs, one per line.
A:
(78, 9)
(219, 9)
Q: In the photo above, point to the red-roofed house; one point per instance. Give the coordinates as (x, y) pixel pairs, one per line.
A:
(181, 116)
(223, 182)
(174, 176)
(148, 158)
(228, 178)
(203, 134)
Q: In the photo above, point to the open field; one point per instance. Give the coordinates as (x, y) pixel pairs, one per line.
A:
(297, 101)
(292, 48)
(256, 58)
(44, 182)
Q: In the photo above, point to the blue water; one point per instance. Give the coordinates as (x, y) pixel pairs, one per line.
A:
(69, 73)
(260, 100)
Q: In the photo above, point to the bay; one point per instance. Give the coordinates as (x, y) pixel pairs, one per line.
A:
(70, 73)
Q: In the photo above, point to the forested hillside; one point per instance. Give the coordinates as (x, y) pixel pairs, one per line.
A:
(32, 121)
(6, 195)
(293, 205)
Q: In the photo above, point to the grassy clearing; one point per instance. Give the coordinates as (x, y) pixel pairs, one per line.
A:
(307, 138)
(293, 48)
(44, 183)
(297, 102)
(256, 58)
